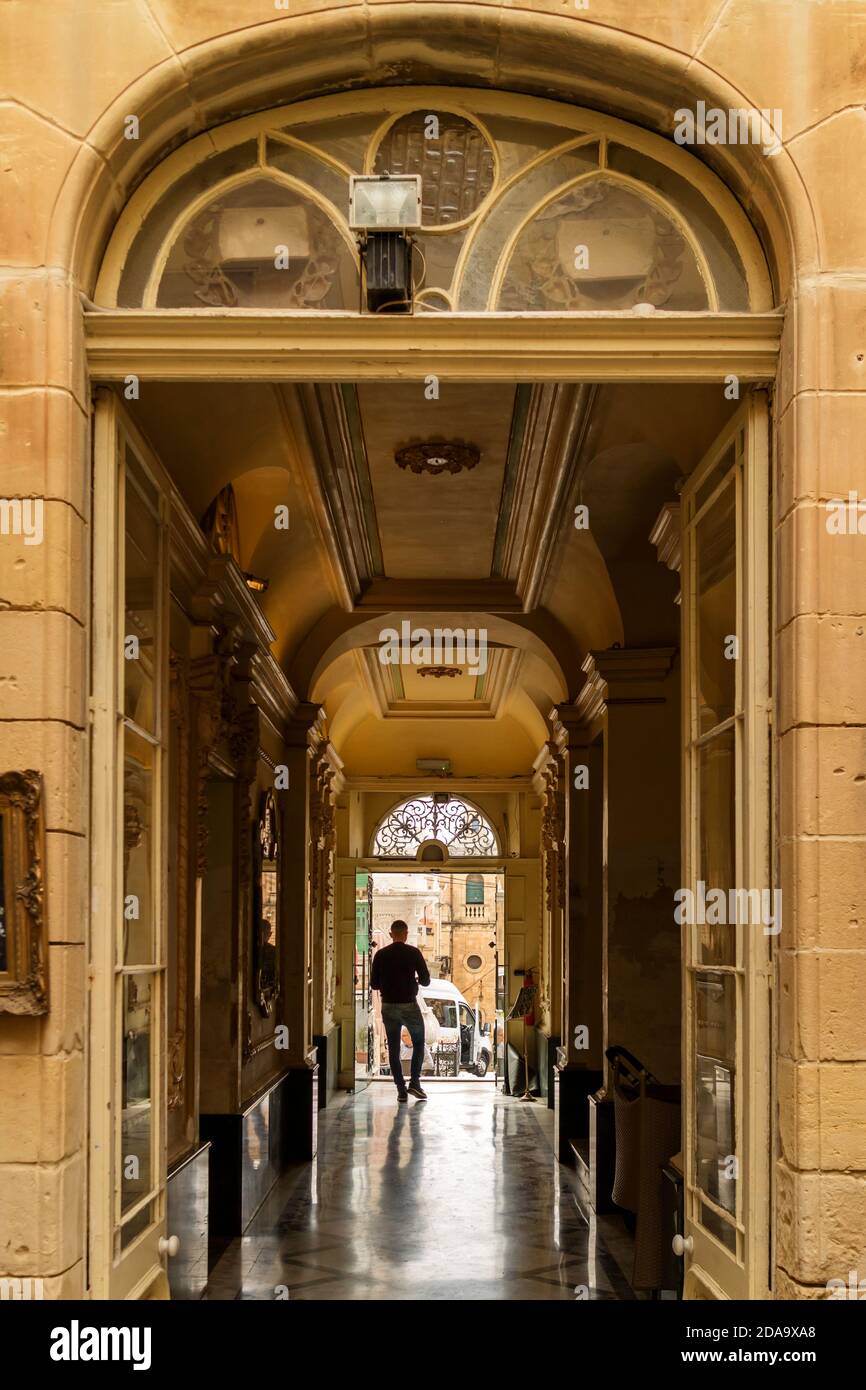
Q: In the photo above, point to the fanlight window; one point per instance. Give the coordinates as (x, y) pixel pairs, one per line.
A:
(465, 831)
(527, 205)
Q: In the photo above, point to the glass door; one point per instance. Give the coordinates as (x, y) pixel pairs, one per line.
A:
(128, 778)
(728, 908)
(365, 1039)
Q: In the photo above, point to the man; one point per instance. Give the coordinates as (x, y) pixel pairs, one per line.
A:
(397, 971)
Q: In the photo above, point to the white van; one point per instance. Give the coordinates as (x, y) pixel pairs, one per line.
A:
(459, 1022)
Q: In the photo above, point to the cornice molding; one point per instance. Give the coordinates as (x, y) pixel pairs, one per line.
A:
(570, 726)
(273, 345)
(590, 703)
(622, 676)
(271, 689)
(667, 537)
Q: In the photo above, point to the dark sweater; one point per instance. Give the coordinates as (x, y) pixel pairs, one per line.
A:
(394, 971)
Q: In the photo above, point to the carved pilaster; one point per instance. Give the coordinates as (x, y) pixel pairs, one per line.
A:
(210, 687)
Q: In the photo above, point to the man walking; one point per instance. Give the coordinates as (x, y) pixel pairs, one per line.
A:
(397, 971)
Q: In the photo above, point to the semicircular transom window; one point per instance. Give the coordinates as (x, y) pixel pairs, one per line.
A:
(446, 820)
(527, 205)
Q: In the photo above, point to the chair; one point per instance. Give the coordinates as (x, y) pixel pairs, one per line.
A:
(647, 1118)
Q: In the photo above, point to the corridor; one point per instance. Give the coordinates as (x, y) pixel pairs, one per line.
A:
(460, 1198)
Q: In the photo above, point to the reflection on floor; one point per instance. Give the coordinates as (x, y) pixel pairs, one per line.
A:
(457, 1198)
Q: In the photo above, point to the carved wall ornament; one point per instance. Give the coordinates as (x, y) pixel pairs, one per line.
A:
(323, 830)
(267, 905)
(221, 526)
(438, 672)
(176, 1068)
(437, 456)
(23, 929)
(553, 839)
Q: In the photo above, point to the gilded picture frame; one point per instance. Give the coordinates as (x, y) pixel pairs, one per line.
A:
(23, 926)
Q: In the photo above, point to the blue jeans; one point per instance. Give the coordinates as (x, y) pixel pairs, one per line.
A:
(396, 1017)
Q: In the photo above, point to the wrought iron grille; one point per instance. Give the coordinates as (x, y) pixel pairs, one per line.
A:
(463, 829)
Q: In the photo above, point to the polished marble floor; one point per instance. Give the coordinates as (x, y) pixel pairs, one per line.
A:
(457, 1198)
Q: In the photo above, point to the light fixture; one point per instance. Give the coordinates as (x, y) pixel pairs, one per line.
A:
(253, 582)
(440, 765)
(383, 210)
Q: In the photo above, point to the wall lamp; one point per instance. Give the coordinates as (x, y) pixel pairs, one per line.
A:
(383, 209)
(254, 582)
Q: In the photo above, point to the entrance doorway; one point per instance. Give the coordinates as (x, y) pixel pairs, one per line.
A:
(456, 920)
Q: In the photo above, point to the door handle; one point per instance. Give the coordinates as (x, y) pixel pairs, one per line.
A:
(682, 1245)
(169, 1245)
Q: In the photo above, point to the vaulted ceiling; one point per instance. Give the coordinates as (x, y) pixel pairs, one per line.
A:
(456, 511)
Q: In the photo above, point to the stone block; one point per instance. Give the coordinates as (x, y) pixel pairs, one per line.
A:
(66, 882)
(820, 1224)
(42, 664)
(53, 574)
(58, 752)
(822, 670)
(824, 894)
(820, 448)
(74, 62)
(806, 59)
(34, 158)
(42, 332)
(822, 782)
(824, 155)
(819, 571)
(42, 1104)
(43, 447)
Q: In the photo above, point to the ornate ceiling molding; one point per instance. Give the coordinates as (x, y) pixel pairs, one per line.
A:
(438, 456)
(385, 686)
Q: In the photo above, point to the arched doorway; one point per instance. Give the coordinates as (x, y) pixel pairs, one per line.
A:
(561, 249)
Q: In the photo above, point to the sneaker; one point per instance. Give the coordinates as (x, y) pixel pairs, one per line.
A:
(403, 1096)
(415, 1090)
